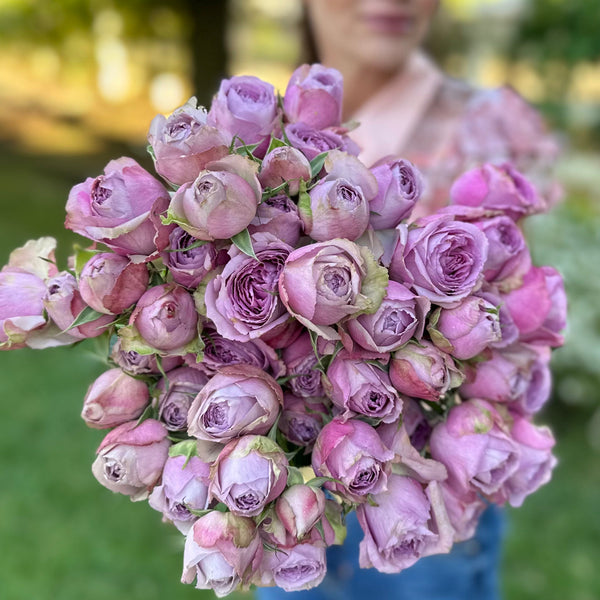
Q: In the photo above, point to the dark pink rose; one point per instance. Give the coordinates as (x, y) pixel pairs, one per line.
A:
(539, 307)
(405, 524)
(238, 400)
(497, 187)
(121, 209)
(242, 301)
(442, 259)
(400, 317)
(110, 283)
(222, 552)
(131, 458)
(352, 452)
(314, 96)
(246, 107)
(176, 392)
(423, 371)
(183, 143)
(475, 448)
(166, 317)
(114, 398)
(250, 472)
(284, 164)
(183, 487)
(221, 202)
(400, 185)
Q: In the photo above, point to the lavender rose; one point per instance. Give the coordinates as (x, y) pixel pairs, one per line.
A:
(121, 209)
(187, 261)
(311, 141)
(221, 552)
(131, 458)
(183, 143)
(314, 96)
(302, 419)
(442, 259)
(400, 317)
(400, 185)
(240, 300)
(352, 452)
(250, 472)
(176, 393)
(141, 364)
(278, 215)
(184, 487)
(301, 362)
(238, 400)
(220, 202)
(325, 282)
(114, 398)
(405, 524)
(110, 283)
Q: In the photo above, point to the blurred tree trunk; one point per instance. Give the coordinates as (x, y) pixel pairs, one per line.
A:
(208, 28)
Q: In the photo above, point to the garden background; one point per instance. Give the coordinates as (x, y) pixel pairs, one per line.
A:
(80, 81)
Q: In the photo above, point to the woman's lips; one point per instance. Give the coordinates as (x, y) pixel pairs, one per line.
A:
(389, 23)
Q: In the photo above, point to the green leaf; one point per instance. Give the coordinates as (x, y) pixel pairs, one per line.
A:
(294, 476)
(275, 143)
(272, 435)
(81, 256)
(147, 414)
(87, 315)
(244, 242)
(316, 164)
(221, 507)
(196, 244)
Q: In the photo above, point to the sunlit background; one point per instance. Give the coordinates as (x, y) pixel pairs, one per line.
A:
(80, 81)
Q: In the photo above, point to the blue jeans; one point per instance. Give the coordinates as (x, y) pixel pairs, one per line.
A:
(469, 572)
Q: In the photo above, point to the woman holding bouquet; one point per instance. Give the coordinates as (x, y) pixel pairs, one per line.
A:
(407, 107)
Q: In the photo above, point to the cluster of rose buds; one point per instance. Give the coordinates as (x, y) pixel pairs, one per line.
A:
(286, 346)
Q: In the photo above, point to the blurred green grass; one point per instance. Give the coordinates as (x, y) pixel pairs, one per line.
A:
(65, 537)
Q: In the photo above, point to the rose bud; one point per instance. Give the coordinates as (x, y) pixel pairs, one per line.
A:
(475, 448)
(120, 209)
(250, 472)
(284, 164)
(64, 304)
(176, 393)
(299, 508)
(508, 255)
(314, 96)
(245, 107)
(324, 282)
(337, 209)
(405, 524)
(442, 259)
(142, 364)
(466, 330)
(400, 317)
(312, 142)
(114, 398)
(22, 290)
(131, 458)
(539, 307)
(358, 387)
(238, 400)
(300, 360)
(183, 143)
(497, 187)
(187, 262)
(110, 283)
(221, 202)
(184, 486)
(535, 464)
(278, 216)
(221, 552)
(463, 511)
(400, 185)
(240, 301)
(352, 452)
(302, 419)
(166, 317)
(300, 567)
(423, 371)
(508, 329)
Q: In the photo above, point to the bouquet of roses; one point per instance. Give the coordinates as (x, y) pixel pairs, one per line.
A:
(286, 347)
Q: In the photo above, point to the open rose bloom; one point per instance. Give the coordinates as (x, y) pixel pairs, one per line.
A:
(271, 305)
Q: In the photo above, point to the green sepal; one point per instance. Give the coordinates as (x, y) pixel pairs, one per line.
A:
(294, 476)
(186, 448)
(275, 143)
(81, 256)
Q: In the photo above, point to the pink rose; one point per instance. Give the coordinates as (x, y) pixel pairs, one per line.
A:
(285, 164)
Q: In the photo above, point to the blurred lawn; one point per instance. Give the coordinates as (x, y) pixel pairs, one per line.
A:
(66, 538)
